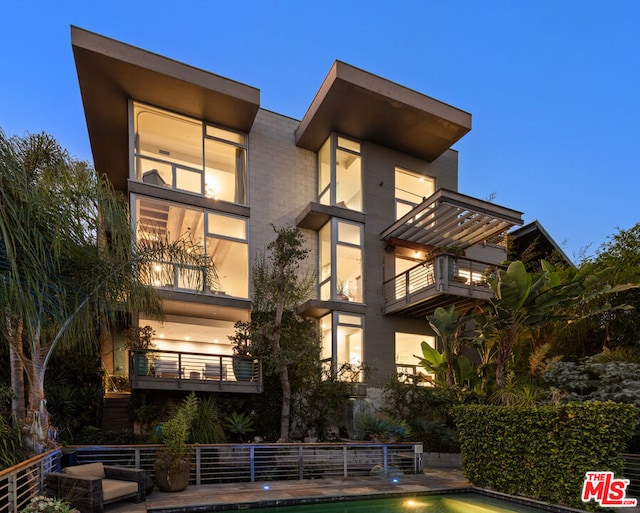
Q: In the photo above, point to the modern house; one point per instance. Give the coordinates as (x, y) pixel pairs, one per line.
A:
(368, 175)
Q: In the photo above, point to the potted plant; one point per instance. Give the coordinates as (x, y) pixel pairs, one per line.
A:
(137, 340)
(174, 459)
(242, 359)
(342, 291)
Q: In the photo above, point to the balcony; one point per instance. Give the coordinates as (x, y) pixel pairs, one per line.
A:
(440, 282)
(200, 372)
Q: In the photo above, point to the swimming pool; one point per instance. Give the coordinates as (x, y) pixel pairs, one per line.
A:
(449, 503)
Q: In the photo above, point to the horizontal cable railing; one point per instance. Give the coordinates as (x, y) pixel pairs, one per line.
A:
(193, 366)
(20, 483)
(222, 463)
(439, 272)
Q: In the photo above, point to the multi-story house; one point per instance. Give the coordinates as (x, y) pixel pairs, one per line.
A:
(368, 175)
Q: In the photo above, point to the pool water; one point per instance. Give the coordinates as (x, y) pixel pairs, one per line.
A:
(451, 503)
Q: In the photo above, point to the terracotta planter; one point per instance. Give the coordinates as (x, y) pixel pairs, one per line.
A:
(172, 479)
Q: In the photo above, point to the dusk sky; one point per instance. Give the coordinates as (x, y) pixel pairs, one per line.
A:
(553, 85)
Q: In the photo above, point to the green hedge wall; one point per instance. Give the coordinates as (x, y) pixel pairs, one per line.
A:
(543, 452)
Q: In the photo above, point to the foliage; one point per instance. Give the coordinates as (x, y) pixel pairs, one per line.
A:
(42, 504)
(241, 338)
(381, 428)
(426, 411)
(239, 424)
(90, 435)
(11, 452)
(525, 302)
(448, 325)
(320, 405)
(592, 380)
(620, 328)
(67, 267)
(543, 452)
(74, 391)
(206, 427)
(458, 370)
(285, 343)
(137, 337)
(175, 454)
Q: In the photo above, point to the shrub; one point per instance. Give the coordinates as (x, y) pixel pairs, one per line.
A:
(543, 451)
(41, 504)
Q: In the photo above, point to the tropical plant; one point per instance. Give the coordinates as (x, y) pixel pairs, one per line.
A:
(526, 301)
(381, 428)
(239, 424)
(206, 427)
(448, 325)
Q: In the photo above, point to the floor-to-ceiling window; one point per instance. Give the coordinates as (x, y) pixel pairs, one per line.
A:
(340, 261)
(189, 155)
(221, 237)
(340, 173)
(342, 335)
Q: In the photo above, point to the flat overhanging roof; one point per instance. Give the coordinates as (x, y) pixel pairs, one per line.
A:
(449, 218)
(111, 72)
(362, 105)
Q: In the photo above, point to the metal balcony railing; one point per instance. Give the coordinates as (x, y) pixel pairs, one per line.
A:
(178, 370)
(442, 280)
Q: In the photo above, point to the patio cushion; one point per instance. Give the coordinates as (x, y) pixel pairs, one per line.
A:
(114, 488)
(86, 470)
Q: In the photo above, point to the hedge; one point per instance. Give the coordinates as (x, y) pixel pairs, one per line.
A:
(543, 452)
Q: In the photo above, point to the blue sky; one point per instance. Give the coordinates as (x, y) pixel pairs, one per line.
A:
(553, 85)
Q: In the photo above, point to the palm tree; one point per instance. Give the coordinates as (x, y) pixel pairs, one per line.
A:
(69, 260)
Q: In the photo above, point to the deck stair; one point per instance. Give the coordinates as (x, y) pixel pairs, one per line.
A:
(115, 412)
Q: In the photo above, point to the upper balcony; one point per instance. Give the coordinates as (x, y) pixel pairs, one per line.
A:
(200, 372)
(440, 282)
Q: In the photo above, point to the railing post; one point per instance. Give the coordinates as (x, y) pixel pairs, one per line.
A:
(198, 471)
(407, 283)
(136, 458)
(12, 494)
(385, 459)
(252, 463)
(345, 462)
(300, 463)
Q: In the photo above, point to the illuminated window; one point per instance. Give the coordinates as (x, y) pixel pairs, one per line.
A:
(186, 154)
(340, 173)
(222, 237)
(411, 189)
(408, 349)
(340, 276)
(342, 335)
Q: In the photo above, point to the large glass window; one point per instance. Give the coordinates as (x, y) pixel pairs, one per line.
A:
(411, 189)
(342, 335)
(189, 155)
(340, 173)
(222, 237)
(340, 276)
(408, 348)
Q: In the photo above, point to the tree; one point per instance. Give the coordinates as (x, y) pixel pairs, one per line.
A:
(282, 340)
(69, 260)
